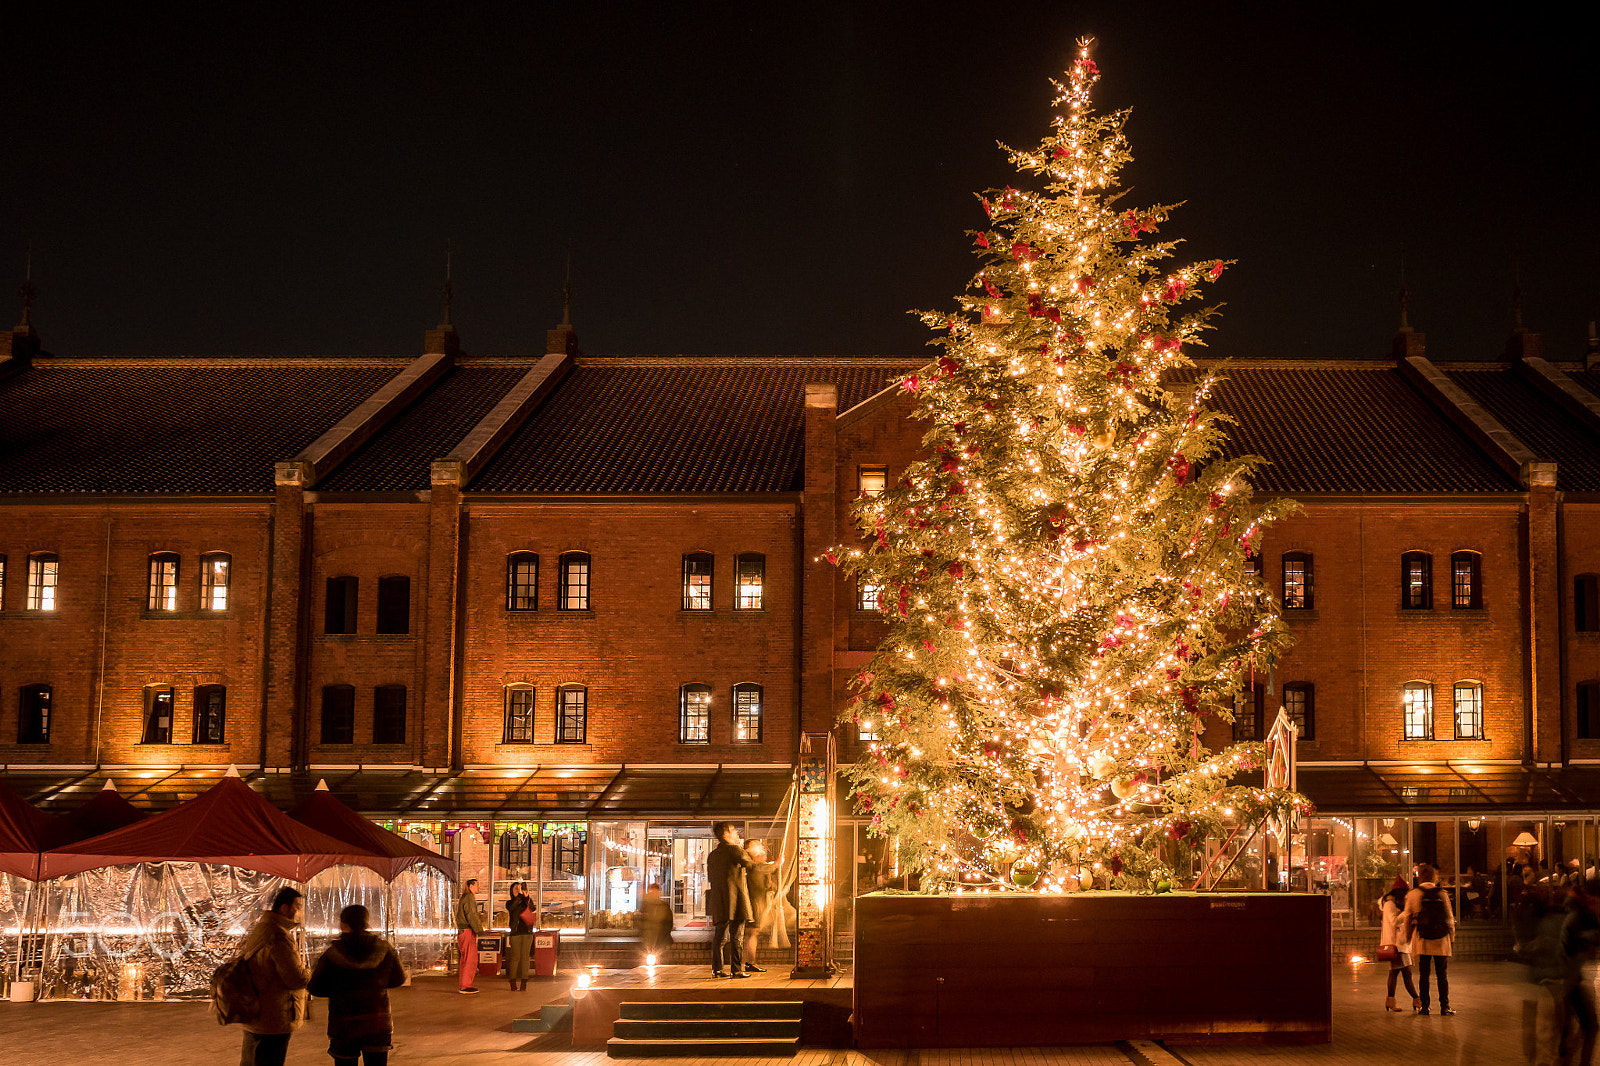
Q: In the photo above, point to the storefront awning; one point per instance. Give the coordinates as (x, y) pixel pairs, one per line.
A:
(1446, 788)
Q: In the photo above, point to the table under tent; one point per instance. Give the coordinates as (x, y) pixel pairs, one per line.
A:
(150, 910)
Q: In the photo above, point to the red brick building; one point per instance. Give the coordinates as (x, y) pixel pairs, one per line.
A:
(563, 610)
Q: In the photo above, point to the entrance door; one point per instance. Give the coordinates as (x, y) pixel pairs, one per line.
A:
(678, 862)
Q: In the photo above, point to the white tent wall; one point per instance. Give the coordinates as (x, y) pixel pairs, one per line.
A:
(18, 898)
(424, 927)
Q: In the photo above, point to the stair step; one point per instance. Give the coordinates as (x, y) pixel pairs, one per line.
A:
(705, 1028)
(698, 1010)
(552, 1018)
(620, 1048)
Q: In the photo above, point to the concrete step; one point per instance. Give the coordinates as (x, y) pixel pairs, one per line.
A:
(705, 1028)
(551, 1018)
(749, 1009)
(620, 1048)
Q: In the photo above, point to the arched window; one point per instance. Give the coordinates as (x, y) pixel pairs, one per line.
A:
(574, 591)
(1466, 581)
(216, 575)
(697, 581)
(210, 714)
(1416, 581)
(1585, 603)
(33, 721)
(157, 714)
(1469, 710)
(572, 715)
(43, 570)
(522, 581)
(163, 582)
(747, 700)
(1300, 701)
(340, 613)
(394, 604)
(338, 714)
(519, 715)
(389, 714)
(1298, 582)
(1417, 702)
(750, 578)
(694, 714)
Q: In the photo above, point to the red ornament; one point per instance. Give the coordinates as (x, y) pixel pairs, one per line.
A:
(1053, 313)
(948, 366)
(1116, 865)
(982, 240)
(1086, 283)
(956, 570)
(1179, 467)
(1216, 500)
(1035, 305)
(911, 384)
(1216, 271)
(1179, 830)
(1023, 252)
(1175, 290)
(990, 289)
(832, 558)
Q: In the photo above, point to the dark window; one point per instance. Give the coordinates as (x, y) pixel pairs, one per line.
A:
(1300, 700)
(869, 597)
(157, 715)
(574, 582)
(694, 714)
(572, 715)
(566, 853)
(1298, 584)
(389, 714)
(43, 570)
(1586, 603)
(522, 582)
(750, 578)
(1469, 710)
(33, 721)
(747, 713)
(519, 716)
(216, 575)
(338, 714)
(1416, 581)
(516, 848)
(697, 581)
(1417, 702)
(210, 714)
(874, 479)
(163, 582)
(1249, 713)
(394, 604)
(1588, 710)
(341, 612)
(1466, 581)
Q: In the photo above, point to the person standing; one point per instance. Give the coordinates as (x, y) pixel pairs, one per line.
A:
(727, 899)
(469, 926)
(655, 921)
(354, 975)
(763, 882)
(1393, 908)
(519, 909)
(273, 958)
(1431, 927)
(1580, 937)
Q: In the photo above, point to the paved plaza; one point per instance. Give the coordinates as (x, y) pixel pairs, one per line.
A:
(434, 1025)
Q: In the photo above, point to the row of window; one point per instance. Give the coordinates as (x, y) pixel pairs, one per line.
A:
(1416, 581)
(339, 714)
(572, 707)
(344, 596)
(1417, 702)
(43, 574)
(572, 587)
(210, 707)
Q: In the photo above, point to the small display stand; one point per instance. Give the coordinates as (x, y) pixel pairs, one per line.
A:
(814, 851)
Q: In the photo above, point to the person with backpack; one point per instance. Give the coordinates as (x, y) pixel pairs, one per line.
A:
(271, 966)
(1431, 926)
(354, 975)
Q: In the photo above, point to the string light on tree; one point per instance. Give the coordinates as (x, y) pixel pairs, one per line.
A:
(1064, 567)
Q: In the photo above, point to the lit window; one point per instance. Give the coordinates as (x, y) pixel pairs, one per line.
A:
(1469, 710)
(516, 850)
(1297, 581)
(522, 582)
(867, 729)
(338, 714)
(210, 714)
(1419, 711)
(394, 604)
(750, 577)
(566, 853)
(574, 582)
(1299, 700)
(874, 479)
(163, 582)
(343, 597)
(216, 574)
(869, 597)
(697, 581)
(519, 716)
(694, 714)
(1248, 711)
(1416, 581)
(33, 723)
(572, 716)
(747, 713)
(157, 715)
(1466, 579)
(43, 570)
(389, 714)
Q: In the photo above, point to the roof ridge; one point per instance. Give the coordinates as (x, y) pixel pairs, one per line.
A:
(286, 362)
(749, 360)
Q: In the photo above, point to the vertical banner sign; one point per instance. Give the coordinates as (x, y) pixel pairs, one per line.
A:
(814, 878)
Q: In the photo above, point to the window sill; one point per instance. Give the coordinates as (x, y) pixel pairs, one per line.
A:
(544, 615)
(1444, 740)
(859, 615)
(214, 745)
(39, 612)
(515, 747)
(1302, 614)
(704, 611)
(369, 638)
(185, 616)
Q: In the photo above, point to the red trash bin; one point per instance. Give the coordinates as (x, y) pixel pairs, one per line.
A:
(488, 956)
(546, 952)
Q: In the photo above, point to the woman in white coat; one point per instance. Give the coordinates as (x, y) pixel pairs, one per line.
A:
(1431, 925)
(1393, 908)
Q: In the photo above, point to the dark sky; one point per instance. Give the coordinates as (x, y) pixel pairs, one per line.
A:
(225, 179)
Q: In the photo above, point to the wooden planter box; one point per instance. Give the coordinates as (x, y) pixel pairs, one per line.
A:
(1093, 967)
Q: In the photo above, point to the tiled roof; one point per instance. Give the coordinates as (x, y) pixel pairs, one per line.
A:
(1553, 434)
(1589, 379)
(1358, 427)
(397, 460)
(195, 426)
(676, 425)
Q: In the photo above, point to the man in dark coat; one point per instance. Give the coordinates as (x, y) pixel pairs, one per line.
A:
(355, 975)
(273, 957)
(728, 899)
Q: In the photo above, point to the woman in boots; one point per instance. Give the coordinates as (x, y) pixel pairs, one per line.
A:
(519, 908)
(1393, 906)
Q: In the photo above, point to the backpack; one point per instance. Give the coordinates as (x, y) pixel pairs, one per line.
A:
(234, 996)
(1433, 920)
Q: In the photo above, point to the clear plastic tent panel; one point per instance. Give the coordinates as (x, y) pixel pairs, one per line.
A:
(18, 897)
(424, 927)
(332, 891)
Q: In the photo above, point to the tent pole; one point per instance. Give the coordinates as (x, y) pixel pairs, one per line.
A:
(538, 870)
(22, 920)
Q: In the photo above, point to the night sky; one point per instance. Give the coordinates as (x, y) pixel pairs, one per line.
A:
(229, 180)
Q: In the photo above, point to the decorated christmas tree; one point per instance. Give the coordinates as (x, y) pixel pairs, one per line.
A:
(1066, 568)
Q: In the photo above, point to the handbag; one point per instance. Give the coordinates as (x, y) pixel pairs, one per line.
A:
(1387, 953)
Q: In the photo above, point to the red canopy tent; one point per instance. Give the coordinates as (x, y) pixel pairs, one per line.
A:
(322, 812)
(25, 832)
(230, 825)
(107, 811)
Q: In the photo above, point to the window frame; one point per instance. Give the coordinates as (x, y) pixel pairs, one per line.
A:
(742, 716)
(151, 732)
(394, 610)
(383, 716)
(517, 591)
(1308, 583)
(329, 734)
(210, 586)
(565, 733)
(1425, 689)
(745, 565)
(566, 852)
(348, 598)
(1474, 561)
(1418, 595)
(201, 733)
(44, 581)
(35, 712)
(694, 713)
(161, 594)
(513, 723)
(1306, 724)
(869, 730)
(698, 584)
(1476, 711)
(1586, 603)
(582, 564)
(1586, 710)
(1250, 703)
(863, 473)
(869, 597)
